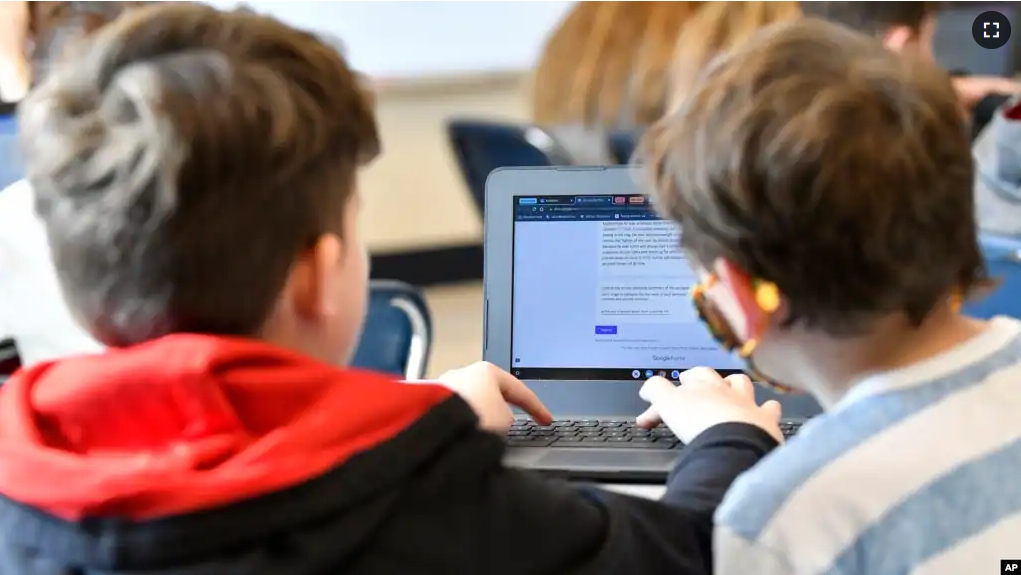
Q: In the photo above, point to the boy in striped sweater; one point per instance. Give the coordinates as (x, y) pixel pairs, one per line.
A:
(824, 186)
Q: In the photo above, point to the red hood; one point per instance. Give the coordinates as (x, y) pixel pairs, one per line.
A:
(187, 422)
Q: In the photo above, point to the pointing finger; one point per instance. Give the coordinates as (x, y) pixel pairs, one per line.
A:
(656, 389)
(648, 419)
(742, 384)
(516, 393)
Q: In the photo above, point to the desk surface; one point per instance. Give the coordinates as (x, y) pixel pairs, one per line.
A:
(646, 491)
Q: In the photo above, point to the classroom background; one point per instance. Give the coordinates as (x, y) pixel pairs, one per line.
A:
(420, 219)
(448, 75)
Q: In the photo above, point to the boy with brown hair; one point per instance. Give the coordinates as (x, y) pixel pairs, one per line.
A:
(823, 185)
(196, 172)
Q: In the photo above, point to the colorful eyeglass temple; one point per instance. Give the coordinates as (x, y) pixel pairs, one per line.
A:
(956, 301)
(767, 298)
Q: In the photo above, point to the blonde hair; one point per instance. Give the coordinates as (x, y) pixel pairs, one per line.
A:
(716, 29)
(606, 64)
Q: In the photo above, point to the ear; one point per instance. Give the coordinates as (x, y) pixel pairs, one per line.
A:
(734, 296)
(310, 285)
(898, 38)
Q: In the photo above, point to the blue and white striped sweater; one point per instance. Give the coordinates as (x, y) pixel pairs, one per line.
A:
(914, 472)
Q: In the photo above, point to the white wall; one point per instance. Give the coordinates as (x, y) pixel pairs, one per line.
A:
(432, 60)
(415, 196)
(387, 39)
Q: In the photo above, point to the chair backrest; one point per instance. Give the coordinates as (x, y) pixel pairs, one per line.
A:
(1003, 256)
(623, 144)
(482, 146)
(397, 337)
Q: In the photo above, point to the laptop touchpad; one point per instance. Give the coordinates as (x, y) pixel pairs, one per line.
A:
(600, 459)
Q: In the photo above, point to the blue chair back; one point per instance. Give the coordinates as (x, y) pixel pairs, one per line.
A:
(481, 147)
(397, 337)
(623, 145)
(1003, 256)
(11, 169)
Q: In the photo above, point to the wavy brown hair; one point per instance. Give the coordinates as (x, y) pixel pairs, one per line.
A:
(607, 62)
(717, 28)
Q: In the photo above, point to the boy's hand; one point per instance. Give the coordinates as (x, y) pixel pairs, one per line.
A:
(491, 391)
(704, 399)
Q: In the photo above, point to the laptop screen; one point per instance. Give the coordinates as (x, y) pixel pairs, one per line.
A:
(600, 292)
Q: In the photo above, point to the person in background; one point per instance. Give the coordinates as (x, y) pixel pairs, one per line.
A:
(15, 23)
(717, 28)
(197, 175)
(911, 27)
(997, 154)
(32, 308)
(823, 185)
(606, 65)
(14, 81)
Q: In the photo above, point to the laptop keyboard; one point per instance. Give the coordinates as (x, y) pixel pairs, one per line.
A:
(790, 428)
(603, 434)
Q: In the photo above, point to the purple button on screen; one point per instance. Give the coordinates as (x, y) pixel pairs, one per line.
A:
(606, 330)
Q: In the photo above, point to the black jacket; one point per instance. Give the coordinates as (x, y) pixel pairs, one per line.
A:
(434, 499)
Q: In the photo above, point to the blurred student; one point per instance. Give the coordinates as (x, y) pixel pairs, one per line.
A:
(717, 28)
(196, 172)
(606, 64)
(15, 21)
(14, 80)
(32, 308)
(910, 27)
(823, 185)
(998, 172)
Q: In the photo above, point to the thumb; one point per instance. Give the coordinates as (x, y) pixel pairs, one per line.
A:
(772, 407)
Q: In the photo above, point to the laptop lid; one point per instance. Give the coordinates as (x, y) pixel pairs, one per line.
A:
(586, 291)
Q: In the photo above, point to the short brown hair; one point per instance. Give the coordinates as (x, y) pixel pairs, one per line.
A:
(873, 18)
(183, 158)
(814, 158)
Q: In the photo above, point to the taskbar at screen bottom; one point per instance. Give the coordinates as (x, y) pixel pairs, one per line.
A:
(602, 374)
